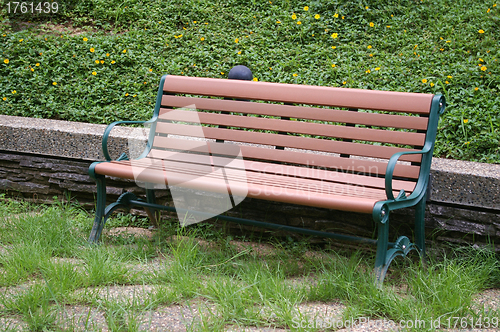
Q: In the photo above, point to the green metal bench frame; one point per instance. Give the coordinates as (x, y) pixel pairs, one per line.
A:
(386, 251)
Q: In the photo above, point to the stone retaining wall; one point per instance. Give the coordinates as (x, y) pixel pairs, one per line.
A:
(463, 207)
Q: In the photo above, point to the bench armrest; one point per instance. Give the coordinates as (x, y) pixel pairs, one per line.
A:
(108, 131)
(392, 163)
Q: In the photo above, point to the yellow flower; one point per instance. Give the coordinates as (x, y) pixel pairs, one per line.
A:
(150, 70)
(466, 120)
(447, 82)
(387, 26)
(194, 22)
(483, 68)
(20, 40)
(97, 61)
(92, 50)
(85, 39)
(449, 76)
(306, 8)
(40, 53)
(467, 143)
(126, 95)
(448, 41)
(344, 82)
(6, 61)
(222, 73)
(366, 7)
(336, 15)
(112, 62)
(278, 22)
(441, 49)
(125, 51)
(343, 17)
(295, 75)
(4, 98)
(368, 71)
(294, 17)
(424, 80)
(432, 84)
(299, 22)
(202, 38)
(476, 88)
(335, 35)
(488, 10)
(54, 83)
(317, 16)
(333, 65)
(372, 24)
(239, 52)
(481, 60)
(378, 68)
(37, 64)
(134, 96)
(14, 92)
(481, 31)
(107, 54)
(334, 47)
(255, 79)
(94, 73)
(370, 54)
(32, 69)
(369, 46)
(236, 40)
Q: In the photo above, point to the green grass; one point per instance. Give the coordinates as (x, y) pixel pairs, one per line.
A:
(105, 62)
(47, 265)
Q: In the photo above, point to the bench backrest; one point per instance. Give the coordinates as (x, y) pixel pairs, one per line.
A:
(343, 129)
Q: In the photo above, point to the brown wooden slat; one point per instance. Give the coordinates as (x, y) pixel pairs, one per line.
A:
(286, 171)
(293, 196)
(179, 173)
(357, 149)
(287, 156)
(298, 127)
(299, 112)
(301, 94)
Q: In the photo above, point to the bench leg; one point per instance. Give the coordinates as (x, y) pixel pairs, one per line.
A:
(153, 214)
(420, 228)
(99, 210)
(381, 256)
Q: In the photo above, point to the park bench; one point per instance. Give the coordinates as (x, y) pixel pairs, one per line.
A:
(344, 149)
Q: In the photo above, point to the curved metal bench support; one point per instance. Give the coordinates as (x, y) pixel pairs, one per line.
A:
(387, 253)
(102, 214)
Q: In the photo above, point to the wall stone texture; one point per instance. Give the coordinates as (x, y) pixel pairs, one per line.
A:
(40, 179)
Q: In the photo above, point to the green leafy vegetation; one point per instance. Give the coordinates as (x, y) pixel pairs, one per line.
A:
(99, 61)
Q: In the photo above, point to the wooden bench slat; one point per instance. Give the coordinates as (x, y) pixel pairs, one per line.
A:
(294, 157)
(301, 94)
(358, 149)
(283, 170)
(265, 186)
(298, 127)
(299, 112)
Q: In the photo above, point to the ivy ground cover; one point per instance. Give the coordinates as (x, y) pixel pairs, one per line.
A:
(98, 61)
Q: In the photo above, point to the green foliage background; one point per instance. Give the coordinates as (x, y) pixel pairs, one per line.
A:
(441, 46)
